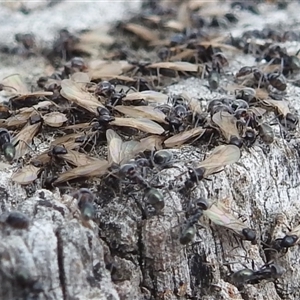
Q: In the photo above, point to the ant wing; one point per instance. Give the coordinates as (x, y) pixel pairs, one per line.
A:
(81, 79)
(42, 105)
(78, 159)
(70, 141)
(42, 159)
(280, 106)
(55, 119)
(25, 137)
(91, 170)
(109, 77)
(219, 216)
(14, 85)
(23, 114)
(195, 106)
(142, 32)
(119, 151)
(78, 126)
(128, 151)
(74, 92)
(186, 55)
(221, 156)
(151, 142)
(150, 96)
(148, 112)
(227, 123)
(35, 94)
(114, 142)
(180, 66)
(103, 68)
(142, 124)
(26, 175)
(182, 137)
(258, 111)
(18, 120)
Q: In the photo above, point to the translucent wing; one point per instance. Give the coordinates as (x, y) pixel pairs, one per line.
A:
(142, 124)
(218, 215)
(24, 138)
(193, 103)
(182, 137)
(73, 90)
(55, 119)
(227, 123)
(26, 175)
(92, 170)
(148, 112)
(102, 68)
(119, 151)
(114, 142)
(142, 32)
(152, 143)
(14, 84)
(150, 96)
(78, 159)
(81, 79)
(128, 151)
(281, 106)
(180, 66)
(70, 141)
(18, 120)
(221, 156)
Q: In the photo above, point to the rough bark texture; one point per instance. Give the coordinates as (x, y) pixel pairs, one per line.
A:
(67, 256)
(123, 255)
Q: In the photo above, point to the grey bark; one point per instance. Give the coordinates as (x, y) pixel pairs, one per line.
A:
(67, 258)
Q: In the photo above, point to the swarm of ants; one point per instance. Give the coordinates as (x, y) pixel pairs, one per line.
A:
(112, 123)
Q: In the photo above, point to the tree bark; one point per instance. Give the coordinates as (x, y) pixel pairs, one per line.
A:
(123, 254)
(71, 259)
